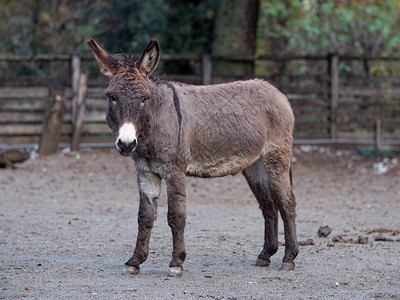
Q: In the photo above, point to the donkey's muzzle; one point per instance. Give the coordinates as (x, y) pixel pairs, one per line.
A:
(126, 149)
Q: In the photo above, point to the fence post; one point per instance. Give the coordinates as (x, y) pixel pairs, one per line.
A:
(377, 137)
(334, 92)
(53, 121)
(75, 74)
(78, 100)
(78, 112)
(206, 69)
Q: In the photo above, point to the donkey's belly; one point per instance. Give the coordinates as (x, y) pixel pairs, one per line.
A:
(222, 167)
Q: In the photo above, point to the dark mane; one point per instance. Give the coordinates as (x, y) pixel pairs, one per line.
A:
(131, 60)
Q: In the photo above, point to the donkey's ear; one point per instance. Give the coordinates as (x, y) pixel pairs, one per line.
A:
(107, 63)
(150, 58)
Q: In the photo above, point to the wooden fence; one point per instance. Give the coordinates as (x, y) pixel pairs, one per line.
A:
(331, 106)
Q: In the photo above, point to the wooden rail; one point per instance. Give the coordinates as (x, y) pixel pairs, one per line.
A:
(330, 107)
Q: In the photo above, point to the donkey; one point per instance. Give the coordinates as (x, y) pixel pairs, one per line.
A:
(173, 130)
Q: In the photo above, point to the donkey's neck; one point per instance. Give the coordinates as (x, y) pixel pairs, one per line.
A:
(164, 93)
(162, 118)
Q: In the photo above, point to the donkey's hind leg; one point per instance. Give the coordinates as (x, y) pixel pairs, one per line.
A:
(176, 193)
(277, 165)
(257, 179)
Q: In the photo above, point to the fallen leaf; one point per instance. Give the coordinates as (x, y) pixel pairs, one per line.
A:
(362, 240)
(381, 238)
(308, 242)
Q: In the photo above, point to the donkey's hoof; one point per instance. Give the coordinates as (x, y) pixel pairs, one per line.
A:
(132, 270)
(287, 266)
(175, 271)
(263, 262)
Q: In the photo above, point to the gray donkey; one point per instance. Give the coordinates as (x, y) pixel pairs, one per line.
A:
(172, 130)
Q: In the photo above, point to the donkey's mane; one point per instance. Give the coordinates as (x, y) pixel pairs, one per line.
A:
(127, 59)
(131, 60)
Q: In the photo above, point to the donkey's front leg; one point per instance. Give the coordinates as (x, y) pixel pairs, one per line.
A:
(149, 190)
(176, 192)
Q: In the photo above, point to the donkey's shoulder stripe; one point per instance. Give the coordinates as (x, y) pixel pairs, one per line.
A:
(177, 108)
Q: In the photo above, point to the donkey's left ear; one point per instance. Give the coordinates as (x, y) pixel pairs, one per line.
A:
(150, 58)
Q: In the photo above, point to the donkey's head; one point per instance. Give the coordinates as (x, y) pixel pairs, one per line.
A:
(127, 92)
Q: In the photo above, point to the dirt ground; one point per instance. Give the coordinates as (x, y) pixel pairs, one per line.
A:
(68, 224)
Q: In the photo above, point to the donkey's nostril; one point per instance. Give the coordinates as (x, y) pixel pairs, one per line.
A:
(133, 144)
(120, 145)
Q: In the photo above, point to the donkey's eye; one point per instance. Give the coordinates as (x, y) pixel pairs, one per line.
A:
(112, 100)
(143, 100)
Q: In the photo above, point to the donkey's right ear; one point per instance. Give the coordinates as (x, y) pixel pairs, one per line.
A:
(107, 63)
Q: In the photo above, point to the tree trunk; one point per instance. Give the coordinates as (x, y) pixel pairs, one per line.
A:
(235, 33)
(53, 121)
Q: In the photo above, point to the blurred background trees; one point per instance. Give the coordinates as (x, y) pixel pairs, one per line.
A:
(273, 27)
(235, 33)
(350, 27)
